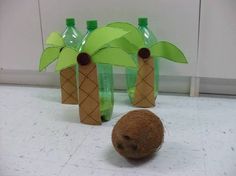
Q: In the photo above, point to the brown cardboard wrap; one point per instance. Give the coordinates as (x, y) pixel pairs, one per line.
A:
(144, 92)
(89, 95)
(68, 86)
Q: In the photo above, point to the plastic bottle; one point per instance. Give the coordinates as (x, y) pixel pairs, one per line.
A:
(131, 74)
(72, 37)
(105, 80)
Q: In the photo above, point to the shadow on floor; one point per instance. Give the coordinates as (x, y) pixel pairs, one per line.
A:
(117, 160)
(53, 97)
(172, 157)
(70, 115)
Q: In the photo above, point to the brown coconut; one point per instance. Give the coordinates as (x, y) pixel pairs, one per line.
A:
(138, 134)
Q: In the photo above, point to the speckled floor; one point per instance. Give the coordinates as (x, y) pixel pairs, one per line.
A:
(41, 137)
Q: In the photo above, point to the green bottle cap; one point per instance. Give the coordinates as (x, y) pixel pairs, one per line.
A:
(92, 24)
(70, 22)
(142, 21)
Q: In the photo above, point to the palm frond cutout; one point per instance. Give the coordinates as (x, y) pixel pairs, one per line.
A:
(134, 36)
(50, 54)
(133, 42)
(125, 45)
(114, 56)
(67, 58)
(96, 48)
(55, 39)
(100, 37)
(168, 51)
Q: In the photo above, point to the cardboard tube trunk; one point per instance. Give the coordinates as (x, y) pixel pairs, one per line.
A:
(68, 86)
(89, 105)
(144, 92)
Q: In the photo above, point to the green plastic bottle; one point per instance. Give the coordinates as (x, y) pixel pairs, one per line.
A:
(72, 37)
(105, 80)
(131, 74)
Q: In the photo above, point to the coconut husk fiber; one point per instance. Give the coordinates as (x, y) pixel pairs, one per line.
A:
(138, 134)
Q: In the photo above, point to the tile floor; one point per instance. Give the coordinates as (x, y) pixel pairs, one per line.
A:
(41, 137)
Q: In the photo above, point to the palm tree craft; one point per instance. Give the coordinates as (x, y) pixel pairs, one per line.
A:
(94, 51)
(67, 76)
(134, 44)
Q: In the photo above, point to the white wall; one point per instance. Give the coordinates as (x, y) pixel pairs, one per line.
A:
(217, 54)
(26, 23)
(175, 21)
(20, 35)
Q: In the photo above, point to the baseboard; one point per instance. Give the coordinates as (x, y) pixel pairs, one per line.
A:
(172, 84)
(218, 86)
(167, 84)
(28, 77)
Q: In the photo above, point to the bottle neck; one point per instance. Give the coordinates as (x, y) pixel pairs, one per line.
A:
(68, 30)
(90, 29)
(87, 33)
(143, 26)
(70, 26)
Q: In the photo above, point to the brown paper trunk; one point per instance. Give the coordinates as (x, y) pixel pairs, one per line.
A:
(89, 95)
(68, 86)
(144, 92)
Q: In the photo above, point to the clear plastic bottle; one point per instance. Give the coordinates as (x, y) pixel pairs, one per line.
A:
(131, 74)
(105, 80)
(72, 37)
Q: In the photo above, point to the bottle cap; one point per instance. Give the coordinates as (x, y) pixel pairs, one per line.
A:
(92, 24)
(70, 21)
(142, 21)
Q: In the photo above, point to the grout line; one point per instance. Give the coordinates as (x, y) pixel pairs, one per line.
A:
(41, 26)
(199, 29)
(198, 39)
(202, 139)
(72, 154)
(195, 80)
(194, 86)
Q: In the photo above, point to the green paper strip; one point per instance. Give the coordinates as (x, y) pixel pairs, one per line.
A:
(55, 39)
(67, 58)
(125, 45)
(100, 37)
(48, 56)
(168, 51)
(114, 56)
(134, 36)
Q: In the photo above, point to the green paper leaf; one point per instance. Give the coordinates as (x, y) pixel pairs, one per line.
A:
(134, 36)
(168, 51)
(67, 58)
(100, 37)
(48, 56)
(125, 45)
(114, 56)
(55, 39)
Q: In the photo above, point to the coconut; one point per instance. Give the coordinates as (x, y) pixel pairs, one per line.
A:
(138, 134)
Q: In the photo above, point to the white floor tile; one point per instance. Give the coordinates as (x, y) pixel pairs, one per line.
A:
(40, 136)
(21, 166)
